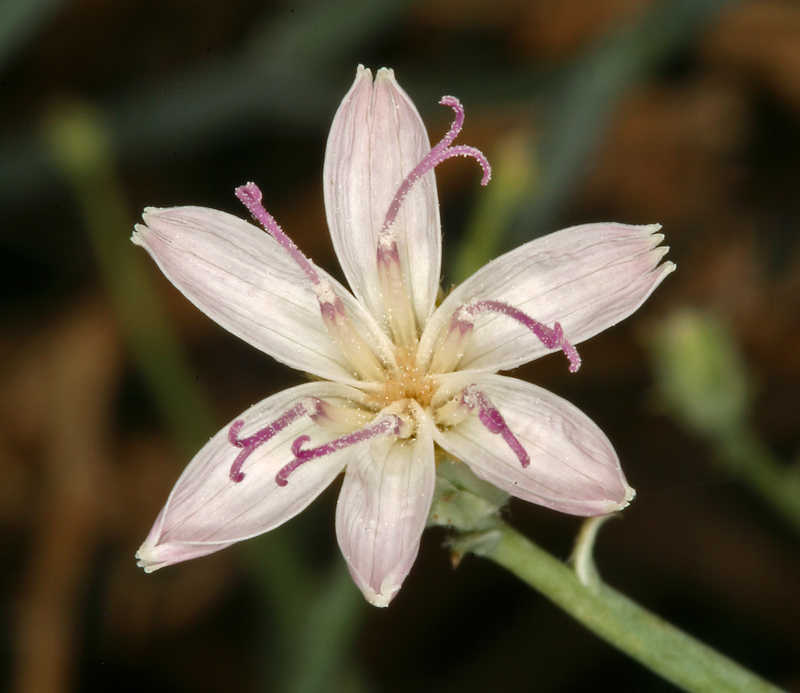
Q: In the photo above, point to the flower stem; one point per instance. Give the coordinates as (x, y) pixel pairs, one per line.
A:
(658, 645)
(82, 147)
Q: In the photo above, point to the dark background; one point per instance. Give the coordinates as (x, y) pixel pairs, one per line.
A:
(685, 113)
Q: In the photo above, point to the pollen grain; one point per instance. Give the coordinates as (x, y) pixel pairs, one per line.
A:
(406, 382)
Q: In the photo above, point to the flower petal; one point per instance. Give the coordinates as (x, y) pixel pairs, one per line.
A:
(383, 506)
(206, 511)
(376, 139)
(587, 278)
(573, 467)
(241, 278)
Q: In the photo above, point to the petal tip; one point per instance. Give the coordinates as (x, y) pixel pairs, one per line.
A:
(616, 506)
(630, 494)
(139, 232)
(385, 73)
(150, 213)
(146, 558)
(363, 73)
(380, 599)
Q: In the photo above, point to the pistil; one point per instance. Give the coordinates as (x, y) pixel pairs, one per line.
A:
(552, 338)
(334, 315)
(441, 152)
(310, 406)
(391, 425)
(492, 419)
(396, 297)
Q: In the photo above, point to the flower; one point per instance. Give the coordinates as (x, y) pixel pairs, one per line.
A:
(398, 374)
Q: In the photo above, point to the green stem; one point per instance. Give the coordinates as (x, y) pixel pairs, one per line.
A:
(82, 148)
(703, 378)
(742, 452)
(645, 637)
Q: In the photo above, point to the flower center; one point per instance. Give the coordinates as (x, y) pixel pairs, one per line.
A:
(407, 381)
(395, 394)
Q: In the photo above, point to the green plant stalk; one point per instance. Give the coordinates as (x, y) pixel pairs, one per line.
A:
(706, 385)
(81, 146)
(742, 452)
(333, 620)
(513, 177)
(653, 642)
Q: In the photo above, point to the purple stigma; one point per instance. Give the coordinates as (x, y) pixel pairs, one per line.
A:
(551, 338)
(388, 425)
(493, 420)
(441, 152)
(250, 196)
(311, 406)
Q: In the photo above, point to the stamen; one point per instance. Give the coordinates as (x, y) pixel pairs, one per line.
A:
(399, 309)
(350, 342)
(493, 420)
(391, 425)
(451, 345)
(551, 338)
(310, 406)
(334, 315)
(341, 419)
(441, 152)
(250, 196)
(396, 299)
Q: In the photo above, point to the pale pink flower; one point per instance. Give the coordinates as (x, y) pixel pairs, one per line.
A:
(398, 374)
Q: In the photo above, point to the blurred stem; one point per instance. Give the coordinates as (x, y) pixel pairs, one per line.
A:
(703, 378)
(513, 176)
(80, 145)
(642, 635)
(19, 20)
(317, 620)
(283, 579)
(744, 453)
(329, 631)
(586, 100)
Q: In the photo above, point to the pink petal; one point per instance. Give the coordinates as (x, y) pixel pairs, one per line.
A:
(206, 511)
(587, 278)
(382, 510)
(376, 139)
(573, 467)
(240, 277)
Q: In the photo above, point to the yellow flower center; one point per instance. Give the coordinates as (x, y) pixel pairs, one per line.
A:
(406, 381)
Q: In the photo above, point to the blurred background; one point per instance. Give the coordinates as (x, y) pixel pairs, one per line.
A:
(683, 112)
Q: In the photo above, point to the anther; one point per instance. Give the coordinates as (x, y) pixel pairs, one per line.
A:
(441, 152)
(250, 196)
(492, 419)
(451, 344)
(310, 406)
(341, 419)
(334, 315)
(391, 425)
(349, 341)
(552, 338)
(396, 299)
